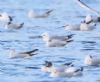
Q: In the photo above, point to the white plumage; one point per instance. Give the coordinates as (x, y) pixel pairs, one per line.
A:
(74, 71)
(4, 17)
(56, 41)
(83, 26)
(90, 60)
(34, 14)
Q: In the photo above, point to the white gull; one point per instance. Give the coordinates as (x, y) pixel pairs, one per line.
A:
(91, 60)
(56, 41)
(83, 26)
(34, 14)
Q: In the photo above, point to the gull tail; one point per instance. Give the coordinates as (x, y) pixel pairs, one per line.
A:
(98, 19)
(10, 18)
(21, 25)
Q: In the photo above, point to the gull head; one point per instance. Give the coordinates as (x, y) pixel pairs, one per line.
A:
(88, 60)
(45, 36)
(4, 17)
(31, 13)
(47, 67)
(48, 64)
(12, 53)
(88, 18)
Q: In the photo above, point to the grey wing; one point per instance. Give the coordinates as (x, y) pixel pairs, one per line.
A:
(59, 37)
(77, 27)
(63, 38)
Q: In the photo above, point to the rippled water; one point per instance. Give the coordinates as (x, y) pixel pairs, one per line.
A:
(65, 11)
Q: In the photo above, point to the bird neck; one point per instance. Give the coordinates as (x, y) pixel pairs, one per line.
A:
(46, 37)
(12, 53)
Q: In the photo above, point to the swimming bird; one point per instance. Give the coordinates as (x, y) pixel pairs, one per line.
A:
(55, 71)
(90, 60)
(34, 14)
(11, 25)
(27, 54)
(83, 26)
(74, 71)
(56, 41)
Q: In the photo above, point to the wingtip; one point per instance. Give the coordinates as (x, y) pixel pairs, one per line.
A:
(82, 69)
(70, 36)
(70, 41)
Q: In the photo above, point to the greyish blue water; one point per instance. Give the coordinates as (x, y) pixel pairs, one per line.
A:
(64, 11)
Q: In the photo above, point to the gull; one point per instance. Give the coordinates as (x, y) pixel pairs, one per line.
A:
(74, 71)
(83, 26)
(27, 54)
(56, 41)
(33, 14)
(11, 25)
(55, 71)
(90, 60)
